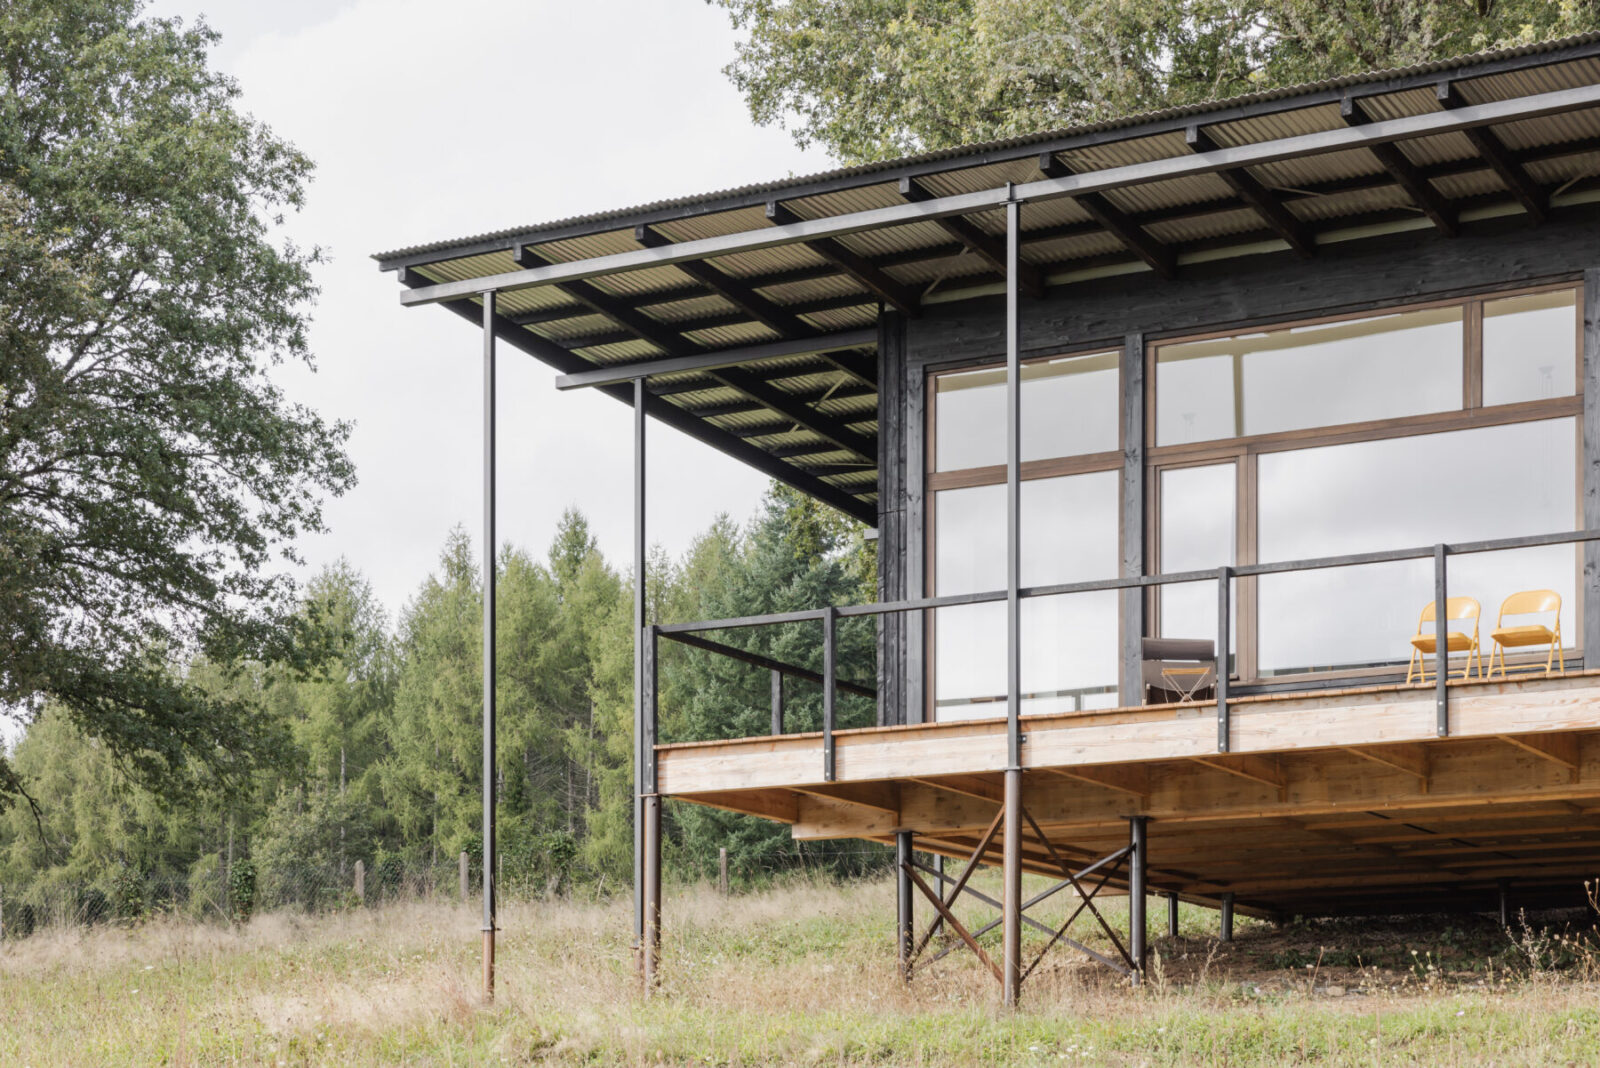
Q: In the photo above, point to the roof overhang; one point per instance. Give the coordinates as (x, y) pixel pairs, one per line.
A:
(752, 314)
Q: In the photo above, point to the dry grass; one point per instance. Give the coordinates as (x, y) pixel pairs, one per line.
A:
(799, 975)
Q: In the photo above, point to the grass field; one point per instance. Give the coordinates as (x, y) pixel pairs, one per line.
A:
(802, 974)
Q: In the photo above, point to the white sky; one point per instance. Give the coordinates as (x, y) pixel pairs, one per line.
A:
(432, 121)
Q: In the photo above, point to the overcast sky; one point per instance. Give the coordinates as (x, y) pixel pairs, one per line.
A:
(429, 122)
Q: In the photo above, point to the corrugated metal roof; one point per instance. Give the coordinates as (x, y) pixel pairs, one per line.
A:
(980, 148)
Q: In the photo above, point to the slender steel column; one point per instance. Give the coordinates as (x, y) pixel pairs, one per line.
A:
(1227, 916)
(1137, 898)
(651, 946)
(1011, 892)
(1013, 487)
(777, 702)
(1504, 886)
(489, 680)
(1172, 915)
(904, 929)
(1441, 638)
(640, 755)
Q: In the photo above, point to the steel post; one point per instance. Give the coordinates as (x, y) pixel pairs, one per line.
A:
(1441, 637)
(1503, 887)
(1013, 486)
(1138, 935)
(904, 928)
(1224, 614)
(777, 701)
(830, 678)
(639, 758)
(1172, 915)
(1011, 892)
(489, 680)
(1227, 916)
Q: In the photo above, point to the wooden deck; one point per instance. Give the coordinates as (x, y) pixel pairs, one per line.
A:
(1332, 802)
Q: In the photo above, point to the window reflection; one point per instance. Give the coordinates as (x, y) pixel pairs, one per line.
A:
(1069, 643)
(1530, 347)
(1069, 408)
(1466, 485)
(1198, 532)
(1356, 370)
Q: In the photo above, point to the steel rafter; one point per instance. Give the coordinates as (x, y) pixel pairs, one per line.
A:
(1266, 203)
(867, 274)
(986, 246)
(1406, 174)
(1493, 151)
(1160, 257)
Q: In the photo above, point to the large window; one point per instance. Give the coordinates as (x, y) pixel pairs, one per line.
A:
(1453, 422)
(1070, 512)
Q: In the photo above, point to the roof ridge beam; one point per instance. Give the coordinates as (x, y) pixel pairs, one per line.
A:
(1493, 150)
(1405, 173)
(986, 246)
(1321, 142)
(1253, 192)
(864, 271)
(1159, 256)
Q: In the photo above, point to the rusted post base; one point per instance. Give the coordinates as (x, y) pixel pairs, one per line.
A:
(650, 950)
(1011, 893)
(488, 965)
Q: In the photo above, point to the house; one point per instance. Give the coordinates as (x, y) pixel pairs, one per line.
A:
(1266, 377)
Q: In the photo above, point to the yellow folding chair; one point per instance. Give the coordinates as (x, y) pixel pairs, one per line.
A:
(1527, 603)
(1425, 640)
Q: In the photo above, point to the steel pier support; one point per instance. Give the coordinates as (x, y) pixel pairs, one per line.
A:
(1227, 916)
(1137, 897)
(1011, 892)
(1172, 915)
(1504, 887)
(641, 755)
(488, 644)
(904, 930)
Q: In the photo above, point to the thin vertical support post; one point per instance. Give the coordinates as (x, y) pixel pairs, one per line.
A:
(1227, 916)
(652, 707)
(1013, 486)
(777, 702)
(1130, 678)
(1137, 897)
(489, 645)
(1504, 888)
(1224, 619)
(1011, 892)
(1591, 466)
(904, 924)
(1441, 638)
(830, 657)
(650, 954)
(1172, 915)
(639, 752)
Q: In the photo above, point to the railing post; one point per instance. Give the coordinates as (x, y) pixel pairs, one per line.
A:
(1224, 617)
(830, 618)
(777, 701)
(1441, 647)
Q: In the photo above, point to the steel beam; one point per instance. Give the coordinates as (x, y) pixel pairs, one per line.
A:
(1347, 138)
(1405, 173)
(1267, 204)
(1493, 150)
(718, 359)
(488, 643)
(871, 277)
(1158, 256)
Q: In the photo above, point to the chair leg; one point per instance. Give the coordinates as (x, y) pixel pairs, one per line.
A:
(1411, 666)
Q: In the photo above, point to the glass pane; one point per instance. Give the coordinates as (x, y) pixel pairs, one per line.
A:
(1530, 347)
(1069, 408)
(1069, 643)
(1353, 371)
(1198, 531)
(1465, 485)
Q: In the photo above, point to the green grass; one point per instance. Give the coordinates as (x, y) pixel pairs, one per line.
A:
(803, 974)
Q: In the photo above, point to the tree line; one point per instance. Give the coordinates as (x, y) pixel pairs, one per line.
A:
(377, 748)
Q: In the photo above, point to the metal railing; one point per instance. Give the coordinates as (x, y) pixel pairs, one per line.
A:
(688, 633)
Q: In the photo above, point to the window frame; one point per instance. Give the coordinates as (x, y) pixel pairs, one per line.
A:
(1246, 450)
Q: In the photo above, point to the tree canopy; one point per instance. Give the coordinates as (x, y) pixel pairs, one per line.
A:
(152, 476)
(875, 79)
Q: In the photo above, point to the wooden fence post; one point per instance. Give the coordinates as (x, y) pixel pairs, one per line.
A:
(464, 877)
(722, 870)
(361, 882)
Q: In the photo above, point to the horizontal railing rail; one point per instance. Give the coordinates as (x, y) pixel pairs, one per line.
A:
(686, 633)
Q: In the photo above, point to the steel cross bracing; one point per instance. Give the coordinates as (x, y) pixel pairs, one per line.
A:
(1124, 859)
